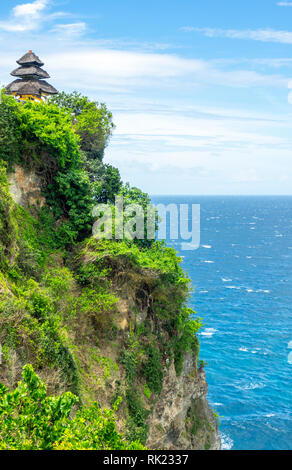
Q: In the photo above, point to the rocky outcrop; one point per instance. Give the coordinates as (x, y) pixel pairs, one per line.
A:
(25, 187)
(182, 418)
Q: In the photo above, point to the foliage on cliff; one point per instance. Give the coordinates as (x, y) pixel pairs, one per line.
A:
(100, 319)
(30, 419)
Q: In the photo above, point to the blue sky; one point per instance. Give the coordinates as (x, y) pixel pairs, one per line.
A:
(200, 90)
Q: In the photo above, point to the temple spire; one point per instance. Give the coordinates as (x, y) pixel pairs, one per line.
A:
(30, 83)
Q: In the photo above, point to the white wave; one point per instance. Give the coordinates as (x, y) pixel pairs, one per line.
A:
(226, 442)
(204, 291)
(226, 279)
(253, 386)
(270, 415)
(249, 290)
(209, 332)
(265, 291)
(188, 246)
(243, 348)
(207, 261)
(249, 257)
(207, 246)
(232, 287)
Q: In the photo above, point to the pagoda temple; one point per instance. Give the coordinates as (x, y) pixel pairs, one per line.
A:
(31, 84)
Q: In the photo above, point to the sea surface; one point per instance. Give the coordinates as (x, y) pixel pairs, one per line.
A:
(242, 279)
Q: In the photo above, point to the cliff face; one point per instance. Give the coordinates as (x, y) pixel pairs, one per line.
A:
(99, 322)
(25, 187)
(182, 418)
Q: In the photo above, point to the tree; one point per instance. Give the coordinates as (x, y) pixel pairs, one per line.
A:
(133, 195)
(92, 122)
(10, 134)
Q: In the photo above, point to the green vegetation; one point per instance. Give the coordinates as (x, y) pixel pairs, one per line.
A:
(152, 370)
(97, 319)
(91, 120)
(30, 419)
(195, 426)
(147, 391)
(137, 423)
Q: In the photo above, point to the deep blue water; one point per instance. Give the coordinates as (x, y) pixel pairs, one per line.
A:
(242, 275)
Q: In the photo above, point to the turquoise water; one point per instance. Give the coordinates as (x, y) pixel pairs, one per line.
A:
(242, 275)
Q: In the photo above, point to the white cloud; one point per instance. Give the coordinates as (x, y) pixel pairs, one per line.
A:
(263, 35)
(30, 9)
(284, 4)
(223, 151)
(25, 17)
(172, 140)
(70, 30)
(28, 17)
(178, 130)
(123, 71)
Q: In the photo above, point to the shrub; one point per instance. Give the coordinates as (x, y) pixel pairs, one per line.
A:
(153, 369)
(30, 419)
(129, 360)
(147, 391)
(137, 423)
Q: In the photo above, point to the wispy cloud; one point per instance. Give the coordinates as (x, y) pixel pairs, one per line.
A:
(284, 4)
(263, 35)
(71, 29)
(98, 69)
(198, 148)
(76, 63)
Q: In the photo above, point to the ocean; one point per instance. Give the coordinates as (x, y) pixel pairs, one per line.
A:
(242, 280)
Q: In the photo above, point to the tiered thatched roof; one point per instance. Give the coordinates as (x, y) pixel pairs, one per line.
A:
(31, 87)
(30, 71)
(30, 59)
(31, 75)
